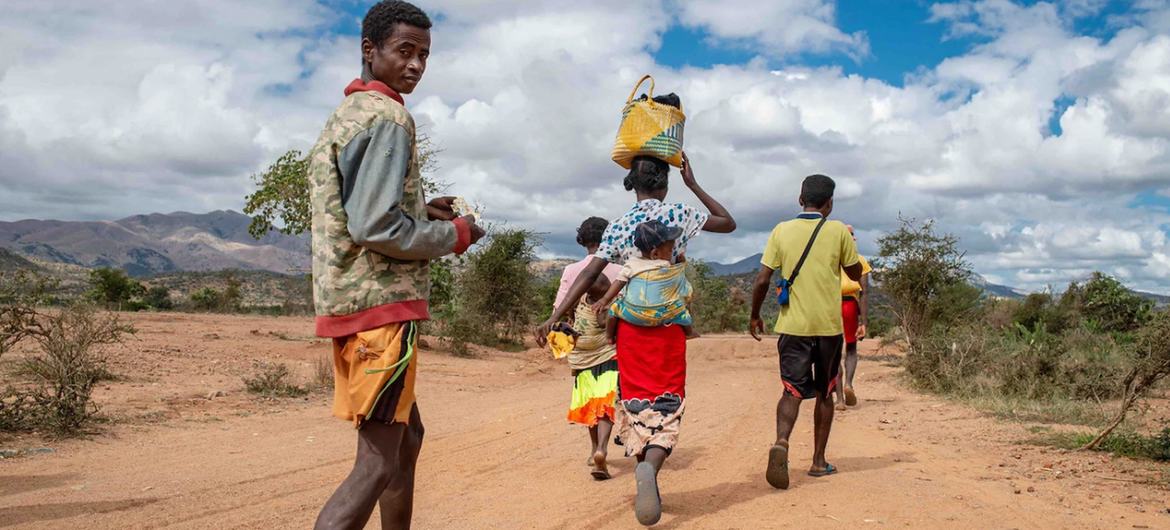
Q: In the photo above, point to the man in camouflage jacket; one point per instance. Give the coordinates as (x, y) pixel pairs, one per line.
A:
(373, 236)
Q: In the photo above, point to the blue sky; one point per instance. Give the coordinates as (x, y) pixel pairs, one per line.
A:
(1035, 131)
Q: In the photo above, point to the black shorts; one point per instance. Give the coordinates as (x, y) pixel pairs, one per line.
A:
(809, 365)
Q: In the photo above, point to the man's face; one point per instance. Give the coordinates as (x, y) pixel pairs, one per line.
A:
(401, 59)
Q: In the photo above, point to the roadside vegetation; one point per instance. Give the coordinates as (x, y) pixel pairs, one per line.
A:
(50, 390)
(1090, 355)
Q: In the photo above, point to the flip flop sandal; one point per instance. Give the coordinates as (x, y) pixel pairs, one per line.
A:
(830, 469)
(850, 397)
(647, 504)
(777, 472)
(600, 470)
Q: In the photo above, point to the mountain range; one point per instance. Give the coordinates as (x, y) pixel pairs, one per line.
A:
(143, 245)
(152, 244)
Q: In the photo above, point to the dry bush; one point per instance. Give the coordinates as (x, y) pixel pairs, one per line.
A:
(323, 373)
(271, 379)
(64, 372)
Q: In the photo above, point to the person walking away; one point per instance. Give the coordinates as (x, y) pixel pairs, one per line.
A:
(854, 318)
(595, 378)
(373, 236)
(810, 253)
(651, 361)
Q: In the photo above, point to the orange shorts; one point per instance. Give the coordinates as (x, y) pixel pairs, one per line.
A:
(373, 374)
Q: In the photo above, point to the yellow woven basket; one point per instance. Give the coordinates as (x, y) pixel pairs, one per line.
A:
(649, 128)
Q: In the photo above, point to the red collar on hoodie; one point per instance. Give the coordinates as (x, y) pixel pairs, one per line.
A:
(377, 86)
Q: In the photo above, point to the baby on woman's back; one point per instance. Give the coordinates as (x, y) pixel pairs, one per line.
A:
(656, 287)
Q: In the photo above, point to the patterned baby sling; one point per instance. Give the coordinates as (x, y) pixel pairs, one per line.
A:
(656, 297)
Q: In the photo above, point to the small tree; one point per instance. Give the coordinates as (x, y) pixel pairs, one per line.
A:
(282, 195)
(1151, 364)
(205, 299)
(916, 268)
(112, 287)
(1110, 306)
(281, 200)
(497, 286)
(158, 297)
(65, 370)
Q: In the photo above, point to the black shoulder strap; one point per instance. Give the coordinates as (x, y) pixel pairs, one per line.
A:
(807, 248)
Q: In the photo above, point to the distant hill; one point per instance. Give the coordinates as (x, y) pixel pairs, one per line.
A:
(996, 290)
(11, 261)
(1158, 299)
(143, 245)
(746, 265)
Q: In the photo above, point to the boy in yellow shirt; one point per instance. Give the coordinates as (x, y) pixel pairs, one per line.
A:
(810, 253)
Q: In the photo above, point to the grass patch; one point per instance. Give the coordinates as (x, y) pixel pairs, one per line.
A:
(1126, 443)
(1053, 411)
(272, 380)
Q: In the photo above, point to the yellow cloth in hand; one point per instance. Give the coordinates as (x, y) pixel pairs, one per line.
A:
(561, 344)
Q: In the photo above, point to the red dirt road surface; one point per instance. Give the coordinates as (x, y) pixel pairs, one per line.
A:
(499, 454)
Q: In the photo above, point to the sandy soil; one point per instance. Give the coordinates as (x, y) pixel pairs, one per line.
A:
(499, 454)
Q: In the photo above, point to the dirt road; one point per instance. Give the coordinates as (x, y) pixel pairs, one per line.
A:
(498, 453)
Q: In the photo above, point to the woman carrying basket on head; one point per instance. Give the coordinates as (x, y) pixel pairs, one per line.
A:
(651, 360)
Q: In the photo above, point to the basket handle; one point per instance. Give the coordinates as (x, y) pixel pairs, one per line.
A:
(650, 94)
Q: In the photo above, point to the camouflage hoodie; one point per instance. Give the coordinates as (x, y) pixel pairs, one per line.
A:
(372, 241)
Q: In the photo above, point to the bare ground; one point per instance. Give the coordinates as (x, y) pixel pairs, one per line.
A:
(498, 453)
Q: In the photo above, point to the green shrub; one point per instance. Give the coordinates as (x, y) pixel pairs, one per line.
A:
(546, 296)
(113, 288)
(1108, 304)
(158, 297)
(496, 298)
(925, 277)
(714, 306)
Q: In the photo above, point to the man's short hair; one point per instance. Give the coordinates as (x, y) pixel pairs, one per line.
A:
(385, 15)
(817, 190)
(590, 232)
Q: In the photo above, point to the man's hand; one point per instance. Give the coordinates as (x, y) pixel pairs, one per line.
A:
(688, 175)
(861, 331)
(756, 328)
(441, 209)
(598, 307)
(477, 232)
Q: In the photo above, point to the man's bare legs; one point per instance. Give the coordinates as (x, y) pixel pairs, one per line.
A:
(383, 473)
(822, 425)
(787, 411)
(845, 380)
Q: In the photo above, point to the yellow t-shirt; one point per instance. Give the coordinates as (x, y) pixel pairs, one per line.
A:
(849, 287)
(814, 304)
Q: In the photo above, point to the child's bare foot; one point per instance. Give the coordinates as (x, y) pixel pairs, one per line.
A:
(600, 470)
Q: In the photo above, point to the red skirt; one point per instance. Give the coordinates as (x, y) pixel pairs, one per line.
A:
(651, 361)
